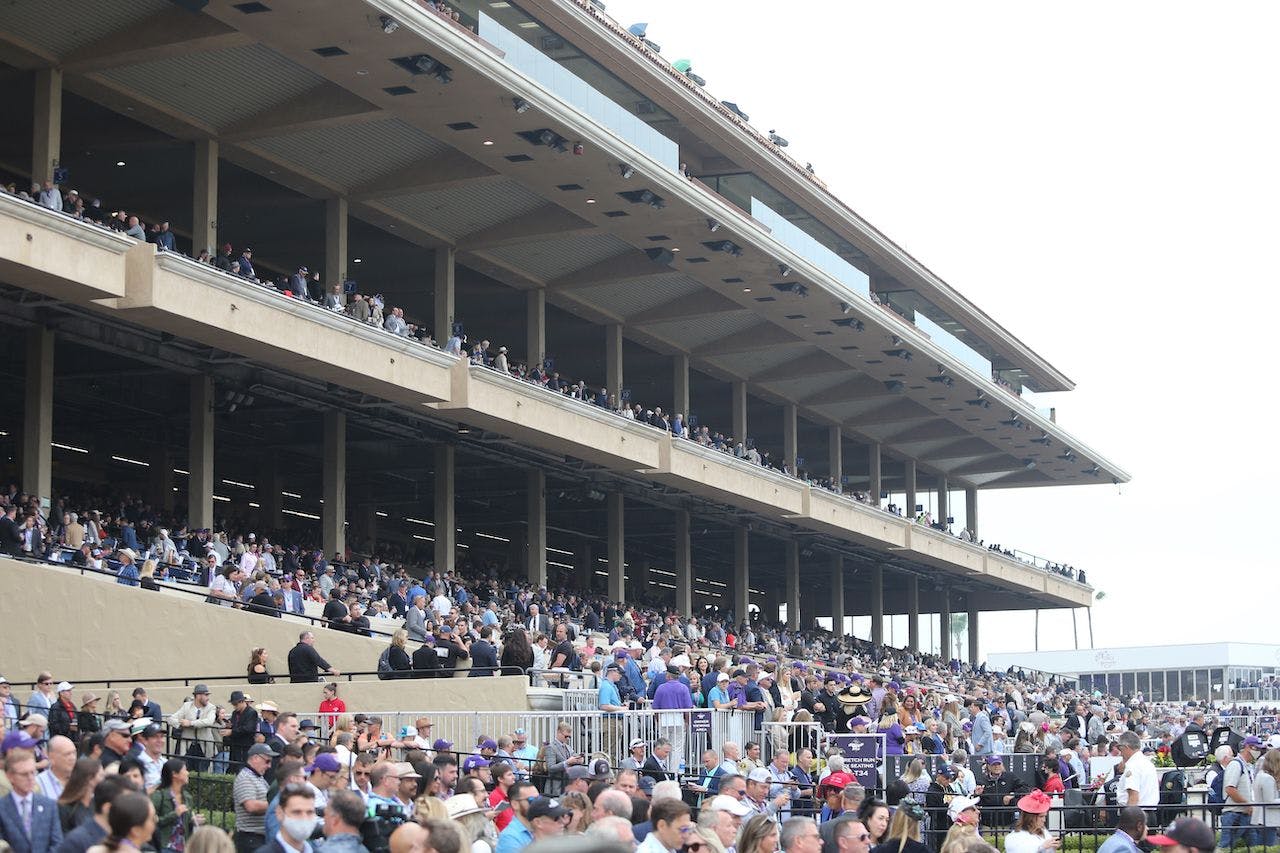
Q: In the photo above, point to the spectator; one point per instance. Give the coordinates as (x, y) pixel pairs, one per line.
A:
(305, 663)
(28, 819)
(75, 803)
(176, 818)
(94, 831)
(343, 815)
(250, 796)
(196, 724)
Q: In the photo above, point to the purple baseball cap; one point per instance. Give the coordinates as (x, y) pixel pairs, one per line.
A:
(325, 762)
(488, 743)
(994, 759)
(471, 762)
(17, 740)
(442, 745)
(893, 685)
(1251, 740)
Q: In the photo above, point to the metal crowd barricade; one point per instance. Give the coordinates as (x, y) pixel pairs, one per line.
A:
(592, 732)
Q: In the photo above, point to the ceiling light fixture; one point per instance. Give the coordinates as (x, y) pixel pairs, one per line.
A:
(389, 24)
(784, 270)
(521, 105)
(626, 171)
(713, 226)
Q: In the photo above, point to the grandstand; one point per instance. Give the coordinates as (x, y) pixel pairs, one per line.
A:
(528, 174)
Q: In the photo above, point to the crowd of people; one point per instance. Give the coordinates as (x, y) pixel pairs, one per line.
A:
(113, 774)
(372, 310)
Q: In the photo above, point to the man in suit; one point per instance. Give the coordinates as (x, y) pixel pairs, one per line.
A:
(10, 532)
(1078, 721)
(28, 821)
(484, 655)
(536, 622)
(415, 620)
(559, 758)
(983, 741)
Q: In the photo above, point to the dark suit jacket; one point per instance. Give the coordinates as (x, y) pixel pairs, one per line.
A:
(10, 535)
(484, 659)
(46, 828)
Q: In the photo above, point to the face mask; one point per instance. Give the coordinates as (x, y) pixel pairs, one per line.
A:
(299, 828)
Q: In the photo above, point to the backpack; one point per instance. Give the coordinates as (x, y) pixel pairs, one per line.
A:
(1216, 796)
(384, 664)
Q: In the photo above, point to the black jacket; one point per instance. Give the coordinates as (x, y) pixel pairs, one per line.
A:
(10, 536)
(305, 664)
(484, 659)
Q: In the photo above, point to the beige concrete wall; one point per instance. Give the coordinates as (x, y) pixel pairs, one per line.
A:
(53, 254)
(85, 626)
(713, 474)
(203, 304)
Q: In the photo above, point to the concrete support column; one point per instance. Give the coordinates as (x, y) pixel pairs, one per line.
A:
(444, 299)
(535, 326)
(160, 476)
(639, 572)
(913, 613)
(335, 245)
(680, 384)
(876, 603)
(973, 635)
(586, 564)
(943, 507)
(792, 570)
(333, 516)
(741, 573)
(971, 510)
(515, 553)
(837, 595)
(204, 216)
(790, 441)
(909, 473)
(46, 140)
(613, 359)
(684, 564)
(536, 558)
(875, 486)
(446, 529)
(835, 455)
(740, 412)
(37, 429)
(944, 626)
(368, 516)
(200, 454)
(616, 546)
(268, 487)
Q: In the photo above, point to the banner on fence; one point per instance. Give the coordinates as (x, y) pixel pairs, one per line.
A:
(863, 755)
(700, 722)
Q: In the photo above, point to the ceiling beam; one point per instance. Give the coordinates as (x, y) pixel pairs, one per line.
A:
(859, 388)
(962, 448)
(931, 431)
(703, 303)
(325, 105)
(549, 220)
(449, 168)
(762, 336)
(810, 364)
(625, 267)
(170, 32)
(899, 410)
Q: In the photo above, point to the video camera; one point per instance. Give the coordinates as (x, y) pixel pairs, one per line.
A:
(381, 820)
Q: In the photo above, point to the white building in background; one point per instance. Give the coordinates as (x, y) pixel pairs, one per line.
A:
(1221, 672)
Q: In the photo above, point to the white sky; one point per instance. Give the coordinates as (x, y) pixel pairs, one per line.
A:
(1103, 179)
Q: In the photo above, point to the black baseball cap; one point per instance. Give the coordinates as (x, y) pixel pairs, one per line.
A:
(546, 807)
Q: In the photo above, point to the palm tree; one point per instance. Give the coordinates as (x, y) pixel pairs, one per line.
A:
(959, 626)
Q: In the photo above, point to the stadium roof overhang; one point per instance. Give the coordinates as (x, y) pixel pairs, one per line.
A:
(447, 166)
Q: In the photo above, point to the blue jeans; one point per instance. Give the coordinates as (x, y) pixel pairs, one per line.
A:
(1234, 826)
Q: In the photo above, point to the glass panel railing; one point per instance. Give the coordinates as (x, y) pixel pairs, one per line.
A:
(953, 345)
(576, 92)
(808, 247)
